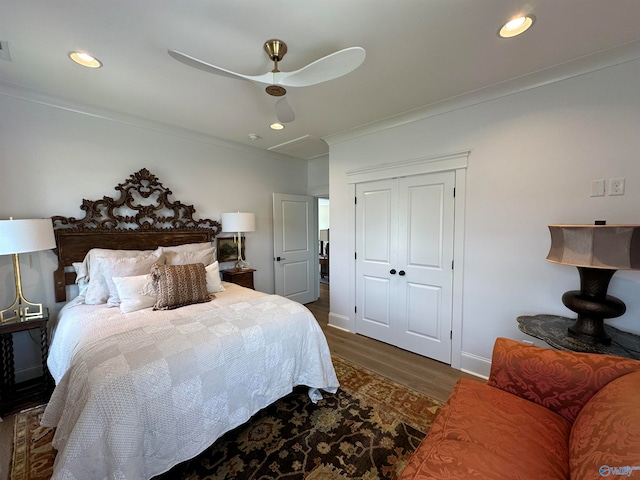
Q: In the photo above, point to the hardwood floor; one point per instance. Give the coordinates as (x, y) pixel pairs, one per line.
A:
(433, 378)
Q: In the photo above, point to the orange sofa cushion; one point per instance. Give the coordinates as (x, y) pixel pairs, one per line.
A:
(606, 434)
(561, 381)
(483, 432)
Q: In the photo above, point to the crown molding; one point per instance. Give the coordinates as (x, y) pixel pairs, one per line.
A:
(28, 94)
(587, 64)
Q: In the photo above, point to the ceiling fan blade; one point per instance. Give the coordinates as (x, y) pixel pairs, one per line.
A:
(284, 112)
(265, 79)
(324, 69)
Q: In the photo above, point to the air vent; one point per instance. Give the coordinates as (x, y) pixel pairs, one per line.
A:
(4, 50)
(304, 147)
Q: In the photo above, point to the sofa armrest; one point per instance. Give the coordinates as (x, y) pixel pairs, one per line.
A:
(558, 380)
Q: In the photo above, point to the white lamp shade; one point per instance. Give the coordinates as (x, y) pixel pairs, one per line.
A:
(324, 235)
(238, 222)
(21, 236)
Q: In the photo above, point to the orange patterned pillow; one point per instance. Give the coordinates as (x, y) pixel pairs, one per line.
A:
(605, 439)
(179, 285)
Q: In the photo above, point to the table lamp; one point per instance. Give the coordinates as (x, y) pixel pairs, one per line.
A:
(239, 222)
(22, 236)
(598, 251)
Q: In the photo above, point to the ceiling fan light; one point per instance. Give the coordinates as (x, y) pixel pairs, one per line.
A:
(275, 90)
(516, 26)
(85, 59)
(276, 126)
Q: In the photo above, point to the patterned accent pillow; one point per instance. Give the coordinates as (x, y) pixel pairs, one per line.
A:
(605, 439)
(179, 285)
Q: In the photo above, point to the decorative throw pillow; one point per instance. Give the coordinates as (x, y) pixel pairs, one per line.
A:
(179, 285)
(136, 292)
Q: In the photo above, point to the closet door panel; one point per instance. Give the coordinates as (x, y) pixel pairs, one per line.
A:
(376, 235)
(425, 254)
(423, 312)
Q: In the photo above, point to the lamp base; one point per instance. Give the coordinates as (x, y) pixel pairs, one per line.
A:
(593, 305)
(21, 312)
(21, 309)
(242, 264)
(590, 331)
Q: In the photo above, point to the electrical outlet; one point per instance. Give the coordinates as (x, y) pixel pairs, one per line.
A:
(616, 186)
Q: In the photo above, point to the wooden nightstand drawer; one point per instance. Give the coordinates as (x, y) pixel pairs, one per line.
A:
(239, 277)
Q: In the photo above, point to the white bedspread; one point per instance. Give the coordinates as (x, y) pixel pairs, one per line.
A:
(139, 393)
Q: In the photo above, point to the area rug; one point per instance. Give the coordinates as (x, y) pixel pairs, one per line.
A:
(367, 430)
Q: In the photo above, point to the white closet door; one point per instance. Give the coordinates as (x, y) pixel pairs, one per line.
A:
(425, 254)
(376, 236)
(404, 275)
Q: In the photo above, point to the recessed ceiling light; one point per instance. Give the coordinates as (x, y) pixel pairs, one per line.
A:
(516, 26)
(276, 126)
(85, 59)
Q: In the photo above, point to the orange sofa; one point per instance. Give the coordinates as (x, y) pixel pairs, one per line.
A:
(543, 414)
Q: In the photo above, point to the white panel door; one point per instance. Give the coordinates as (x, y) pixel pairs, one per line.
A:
(425, 255)
(295, 251)
(376, 230)
(404, 274)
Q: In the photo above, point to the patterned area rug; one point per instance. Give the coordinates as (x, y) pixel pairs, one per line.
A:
(366, 431)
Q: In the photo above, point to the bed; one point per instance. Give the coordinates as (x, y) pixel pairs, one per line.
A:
(144, 379)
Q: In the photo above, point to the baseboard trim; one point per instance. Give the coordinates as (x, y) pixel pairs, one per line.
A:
(341, 322)
(475, 365)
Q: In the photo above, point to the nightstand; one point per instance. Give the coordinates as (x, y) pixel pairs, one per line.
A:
(239, 277)
(14, 396)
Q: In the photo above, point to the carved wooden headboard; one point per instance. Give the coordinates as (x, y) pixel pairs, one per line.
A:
(142, 218)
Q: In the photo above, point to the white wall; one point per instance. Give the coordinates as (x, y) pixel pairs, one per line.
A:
(52, 158)
(318, 176)
(533, 156)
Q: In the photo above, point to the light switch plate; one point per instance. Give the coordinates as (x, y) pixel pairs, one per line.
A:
(597, 188)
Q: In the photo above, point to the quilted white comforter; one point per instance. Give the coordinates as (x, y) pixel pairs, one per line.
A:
(139, 393)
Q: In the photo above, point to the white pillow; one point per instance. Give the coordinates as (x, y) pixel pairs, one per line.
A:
(214, 285)
(124, 267)
(136, 292)
(185, 258)
(82, 277)
(188, 247)
(97, 291)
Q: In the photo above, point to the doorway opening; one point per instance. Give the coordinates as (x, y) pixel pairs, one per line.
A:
(323, 239)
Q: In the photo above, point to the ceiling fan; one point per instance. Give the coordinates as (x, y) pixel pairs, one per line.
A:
(324, 69)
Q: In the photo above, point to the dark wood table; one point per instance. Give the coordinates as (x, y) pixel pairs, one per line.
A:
(553, 330)
(14, 396)
(239, 277)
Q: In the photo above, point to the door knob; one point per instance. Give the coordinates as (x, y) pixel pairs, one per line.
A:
(401, 273)
(392, 271)
(280, 258)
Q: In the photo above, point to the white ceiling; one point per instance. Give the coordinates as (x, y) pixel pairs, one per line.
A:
(419, 52)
